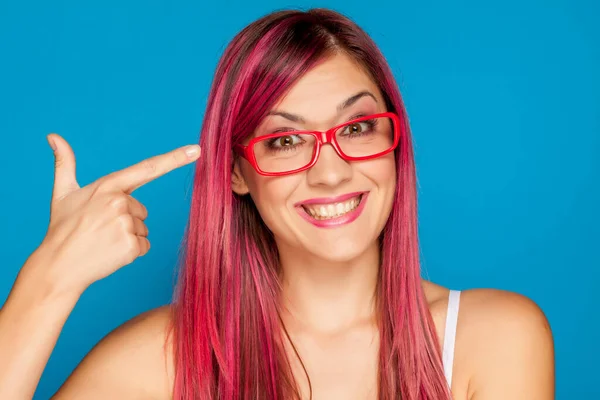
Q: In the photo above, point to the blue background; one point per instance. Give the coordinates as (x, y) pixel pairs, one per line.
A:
(504, 101)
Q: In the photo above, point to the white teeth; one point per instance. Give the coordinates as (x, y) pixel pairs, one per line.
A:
(327, 211)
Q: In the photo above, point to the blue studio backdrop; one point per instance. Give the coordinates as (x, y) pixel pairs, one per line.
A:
(503, 99)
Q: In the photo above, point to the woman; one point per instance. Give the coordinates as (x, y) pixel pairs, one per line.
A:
(301, 272)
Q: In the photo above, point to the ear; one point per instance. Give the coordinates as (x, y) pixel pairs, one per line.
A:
(238, 183)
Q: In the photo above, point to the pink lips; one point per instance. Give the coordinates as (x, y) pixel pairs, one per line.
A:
(333, 222)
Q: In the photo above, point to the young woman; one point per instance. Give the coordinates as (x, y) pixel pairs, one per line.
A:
(301, 273)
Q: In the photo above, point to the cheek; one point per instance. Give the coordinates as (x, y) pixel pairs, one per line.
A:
(381, 171)
(271, 195)
(382, 174)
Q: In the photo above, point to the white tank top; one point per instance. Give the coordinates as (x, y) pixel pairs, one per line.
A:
(450, 334)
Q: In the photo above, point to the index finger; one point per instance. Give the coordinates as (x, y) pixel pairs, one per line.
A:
(131, 178)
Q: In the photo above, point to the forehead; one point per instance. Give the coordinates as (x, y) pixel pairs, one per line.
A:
(319, 91)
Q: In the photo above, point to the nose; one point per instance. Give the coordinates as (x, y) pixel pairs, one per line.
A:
(330, 169)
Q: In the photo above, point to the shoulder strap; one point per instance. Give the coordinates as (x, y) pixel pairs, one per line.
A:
(450, 334)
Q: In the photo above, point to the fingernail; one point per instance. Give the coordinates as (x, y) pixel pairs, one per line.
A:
(192, 150)
(51, 142)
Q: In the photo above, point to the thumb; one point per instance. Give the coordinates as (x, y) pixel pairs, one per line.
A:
(65, 180)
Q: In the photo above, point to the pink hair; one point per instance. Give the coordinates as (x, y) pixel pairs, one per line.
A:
(228, 336)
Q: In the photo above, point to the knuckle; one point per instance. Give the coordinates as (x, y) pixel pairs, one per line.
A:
(132, 248)
(59, 161)
(118, 202)
(126, 222)
(150, 167)
(177, 157)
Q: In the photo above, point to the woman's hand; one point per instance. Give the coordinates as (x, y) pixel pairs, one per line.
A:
(97, 229)
(93, 231)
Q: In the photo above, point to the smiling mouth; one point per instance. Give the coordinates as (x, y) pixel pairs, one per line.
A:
(332, 210)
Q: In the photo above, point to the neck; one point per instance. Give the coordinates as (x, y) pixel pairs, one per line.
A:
(328, 296)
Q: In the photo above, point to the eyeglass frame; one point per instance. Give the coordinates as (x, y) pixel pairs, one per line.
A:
(322, 138)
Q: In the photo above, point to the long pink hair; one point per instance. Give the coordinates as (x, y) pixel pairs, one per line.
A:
(228, 336)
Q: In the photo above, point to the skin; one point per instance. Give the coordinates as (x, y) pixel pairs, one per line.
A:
(504, 348)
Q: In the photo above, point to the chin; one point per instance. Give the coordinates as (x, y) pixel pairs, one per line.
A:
(343, 250)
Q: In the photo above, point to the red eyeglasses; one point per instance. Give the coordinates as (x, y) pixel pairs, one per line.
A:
(292, 151)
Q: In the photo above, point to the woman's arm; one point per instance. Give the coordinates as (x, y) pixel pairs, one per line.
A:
(132, 362)
(94, 230)
(509, 345)
(30, 322)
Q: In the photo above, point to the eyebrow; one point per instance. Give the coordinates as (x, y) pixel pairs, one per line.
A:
(341, 107)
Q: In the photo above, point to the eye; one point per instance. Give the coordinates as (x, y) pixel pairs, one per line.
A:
(358, 127)
(288, 140)
(355, 128)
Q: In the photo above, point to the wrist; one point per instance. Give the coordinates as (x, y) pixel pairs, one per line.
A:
(37, 281)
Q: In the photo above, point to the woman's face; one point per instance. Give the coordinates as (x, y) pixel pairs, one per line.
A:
(283, 201)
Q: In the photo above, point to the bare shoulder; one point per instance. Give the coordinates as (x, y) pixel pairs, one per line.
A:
(505, 346)
(134, 361)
